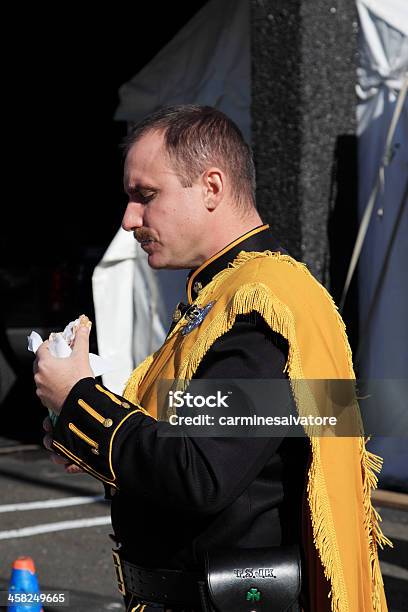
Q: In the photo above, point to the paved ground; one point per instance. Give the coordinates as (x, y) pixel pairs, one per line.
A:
(78, 560)
(75, 560)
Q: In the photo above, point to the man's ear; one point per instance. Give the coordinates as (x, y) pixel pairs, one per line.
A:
(214, 187)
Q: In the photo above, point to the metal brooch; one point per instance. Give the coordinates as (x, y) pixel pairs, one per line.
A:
(176, 315)
(196, 316)
(197, 287)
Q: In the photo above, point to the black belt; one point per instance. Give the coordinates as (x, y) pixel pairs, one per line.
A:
(237, 579)
(172, 587)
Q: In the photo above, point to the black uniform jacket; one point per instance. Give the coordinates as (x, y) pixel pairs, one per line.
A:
(175, 497)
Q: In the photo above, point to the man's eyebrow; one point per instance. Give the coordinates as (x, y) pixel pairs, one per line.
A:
(138, 187)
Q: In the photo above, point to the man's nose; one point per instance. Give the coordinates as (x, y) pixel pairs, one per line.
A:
(133, 217)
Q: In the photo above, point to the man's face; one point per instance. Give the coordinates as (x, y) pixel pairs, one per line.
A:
(167, 219)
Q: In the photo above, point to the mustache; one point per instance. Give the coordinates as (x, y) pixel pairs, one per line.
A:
(141, 234)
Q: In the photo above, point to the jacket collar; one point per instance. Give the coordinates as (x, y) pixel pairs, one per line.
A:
(258, 239)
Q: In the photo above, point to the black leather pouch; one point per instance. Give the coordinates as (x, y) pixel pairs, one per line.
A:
(253, 580)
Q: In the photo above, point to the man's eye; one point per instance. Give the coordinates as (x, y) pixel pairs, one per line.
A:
(144, 197)
(147, 197)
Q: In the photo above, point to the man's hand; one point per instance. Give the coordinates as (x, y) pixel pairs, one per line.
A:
(69, 467)
(54, 377)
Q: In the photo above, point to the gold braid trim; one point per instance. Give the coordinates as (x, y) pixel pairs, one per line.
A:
(132, 386)
(258, 297)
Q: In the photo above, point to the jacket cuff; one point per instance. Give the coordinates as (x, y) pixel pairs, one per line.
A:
(87, 424)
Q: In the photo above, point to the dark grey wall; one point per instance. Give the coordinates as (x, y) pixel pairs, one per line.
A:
(304, 57)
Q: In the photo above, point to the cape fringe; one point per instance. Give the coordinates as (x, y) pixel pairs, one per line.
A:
(370, 463)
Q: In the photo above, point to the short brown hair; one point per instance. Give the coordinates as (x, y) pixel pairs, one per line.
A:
(196, 137)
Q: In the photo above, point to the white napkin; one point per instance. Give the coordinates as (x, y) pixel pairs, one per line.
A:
(59, 347)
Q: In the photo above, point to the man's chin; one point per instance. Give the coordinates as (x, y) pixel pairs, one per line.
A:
(155, 263)
(159, 263)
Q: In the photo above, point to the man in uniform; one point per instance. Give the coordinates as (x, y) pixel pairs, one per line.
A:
(251, 312)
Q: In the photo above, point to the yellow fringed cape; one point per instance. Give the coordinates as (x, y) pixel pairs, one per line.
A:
(344, 530)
